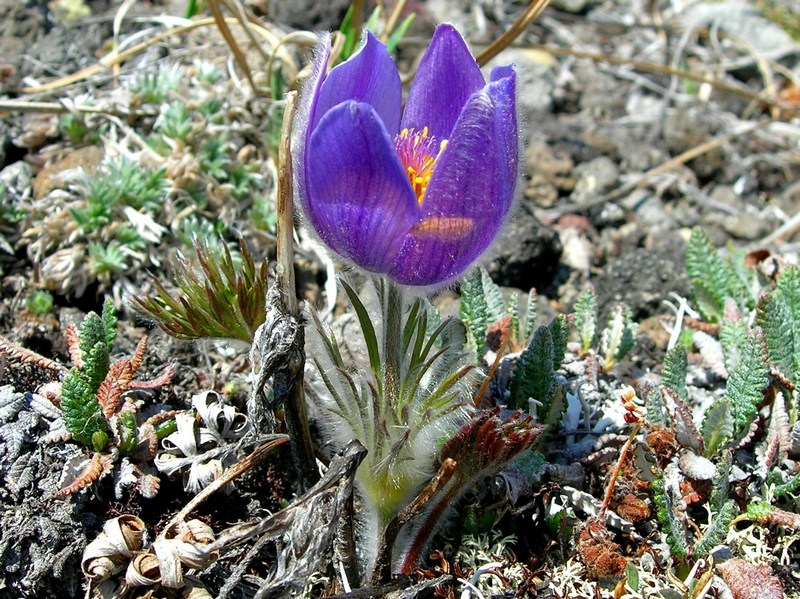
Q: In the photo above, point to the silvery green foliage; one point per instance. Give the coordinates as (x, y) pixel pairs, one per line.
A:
(746, 383)
(83, 414)
(533, 376)
(714, 278)
(619, 335)
(674, 374)
(585, 311)
(474, 310)
(778, 315)
(39, 548)
(404, 431)
(202, 450)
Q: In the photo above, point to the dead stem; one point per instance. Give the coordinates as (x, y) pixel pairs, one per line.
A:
(528, 16)
(623, 455)
(488, 379)
(295, 401)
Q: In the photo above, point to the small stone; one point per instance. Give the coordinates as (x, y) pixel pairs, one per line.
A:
(745, 225)
(57, 174)
(593, 179)
(552, 165)
(570, 6)
(541, 192)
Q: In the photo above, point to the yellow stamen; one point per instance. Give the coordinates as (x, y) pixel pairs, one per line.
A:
(418, 153)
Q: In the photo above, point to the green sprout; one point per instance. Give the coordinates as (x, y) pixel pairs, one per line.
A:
(175, 122)
(40, 302)
(119, 182)
(222, 300)
(155, 87)
(107, 259)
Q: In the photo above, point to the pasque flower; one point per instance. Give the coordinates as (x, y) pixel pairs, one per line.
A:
(416, 194)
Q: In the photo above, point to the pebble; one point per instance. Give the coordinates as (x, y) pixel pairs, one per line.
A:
(593, 179)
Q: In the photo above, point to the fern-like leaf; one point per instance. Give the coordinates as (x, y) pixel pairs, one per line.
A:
(721, 482)
(788, 290)
(83, 416)
(109, 321)
(712, 278)
(534, 373)
(674, 375)
(474, 311)
(559, 330)
(619, 336)
(717, 530)
(779, 316)
(670, 523)
(733, 338)
(717, 428)
(585, 310)
(530, 316)
(656, 410)
(495, 303)
(745, 386)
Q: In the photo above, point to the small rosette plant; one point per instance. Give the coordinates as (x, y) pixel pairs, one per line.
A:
(416, 194)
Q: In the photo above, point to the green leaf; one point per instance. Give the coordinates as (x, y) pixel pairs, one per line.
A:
(474, 311)
(674, 375)
(656, 410)
(670, 523)
(774, 317)
(632, 576)
(224, 298)
(399, 32)
(533, 375)
(586, 318)
(91, 333)
(128, 432)
(559, 329)
(619, 336)
(512, 309)
(367, 329)
(779, 316)
(95, 365)
(746, 383)
(556, 406)
(790, 487)
(83, 416)
(109, 320)
(717, 530)
(495, 302)
(717, 428)
(710, 276)
(759, 511)
(721, 482)
(530, 316)
(733, 338)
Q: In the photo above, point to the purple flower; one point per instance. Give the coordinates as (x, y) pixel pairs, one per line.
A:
(416, 194)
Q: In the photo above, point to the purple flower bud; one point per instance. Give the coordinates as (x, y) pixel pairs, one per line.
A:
(416, 194)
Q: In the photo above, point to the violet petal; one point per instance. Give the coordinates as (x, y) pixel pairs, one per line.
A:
(306, 110)
(446, 78)
(470, 193)
(368, 76)
(360, 200)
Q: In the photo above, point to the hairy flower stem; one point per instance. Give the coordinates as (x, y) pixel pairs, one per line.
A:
(392, 345)
(392, 342)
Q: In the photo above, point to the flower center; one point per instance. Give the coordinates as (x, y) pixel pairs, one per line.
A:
(418, 152)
